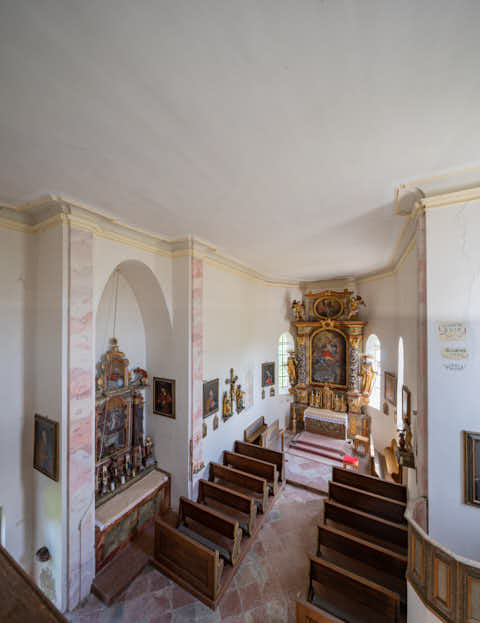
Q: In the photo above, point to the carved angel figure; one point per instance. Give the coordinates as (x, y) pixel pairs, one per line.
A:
(355, 301)
(299, 310)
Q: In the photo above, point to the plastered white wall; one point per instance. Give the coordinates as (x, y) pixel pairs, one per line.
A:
(16, 419)
(416, 611)
(243, 320)
(453, 287)
(49, 399)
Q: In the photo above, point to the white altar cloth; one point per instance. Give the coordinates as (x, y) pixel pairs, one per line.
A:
(325, 415)
(121, 503)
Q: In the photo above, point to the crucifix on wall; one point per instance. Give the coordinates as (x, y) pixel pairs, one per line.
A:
(228, 403)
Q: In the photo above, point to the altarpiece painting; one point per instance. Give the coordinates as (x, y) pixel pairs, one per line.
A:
(329, 358)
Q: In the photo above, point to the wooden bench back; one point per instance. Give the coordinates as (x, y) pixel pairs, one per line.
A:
(377, 598)
(374, 555)
(237, 477)
(254, 429)
(308, 613)
(366, 523)
(367, 502)
(252, 466)
(264, 454)
(184, 557)
(241, 502)
(208, 517)
(272, 437)
(370, 484)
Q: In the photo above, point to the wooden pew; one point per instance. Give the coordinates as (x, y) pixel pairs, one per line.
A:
(273, 438)
(187, 562)
(242, 482)
(345, 590)
(20, 598)
(370, 484)
(308, 613)
(366, 523)
(253, 432)
(381, 558)
(264, 454)
(210, 528)
(367, 502)
(253, 466)
(233, 504)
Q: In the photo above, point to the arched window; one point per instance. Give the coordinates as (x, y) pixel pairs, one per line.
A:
(375, 352)
(285, 343)
(400, 368)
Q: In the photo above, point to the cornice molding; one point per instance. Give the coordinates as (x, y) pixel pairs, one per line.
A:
(53, 210)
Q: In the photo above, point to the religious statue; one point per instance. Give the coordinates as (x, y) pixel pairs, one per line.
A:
(367, 375)
(227, 409)
(292, 369)
(327, 396)
(298, 309)
(355, 301)
(240, 398)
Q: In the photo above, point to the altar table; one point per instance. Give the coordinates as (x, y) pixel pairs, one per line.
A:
(326, 422)
(128, 513)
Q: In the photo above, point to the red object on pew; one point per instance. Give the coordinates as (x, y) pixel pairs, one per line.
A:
(350, 462)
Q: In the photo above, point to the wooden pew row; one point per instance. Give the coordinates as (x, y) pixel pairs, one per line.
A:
(375, 556)
(308, 613)
(367, 502)
(356, 593)
(231, 503)
(257, 467)
(247, 484)
(273, 438)
(253, 432)
(370, 484)
(369, 525)
(210, 528)
(187, 562)
(264, 454)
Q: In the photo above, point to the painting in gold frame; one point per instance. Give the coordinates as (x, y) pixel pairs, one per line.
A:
(472, 468)
(390, 385)
(45, 449)
(329, 358)
(328, 307)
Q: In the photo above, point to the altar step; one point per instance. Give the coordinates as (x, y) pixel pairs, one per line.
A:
(310, 448)
(119, 573)
(317, 445)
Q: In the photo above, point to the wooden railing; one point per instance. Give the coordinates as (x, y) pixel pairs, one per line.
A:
(447, 584)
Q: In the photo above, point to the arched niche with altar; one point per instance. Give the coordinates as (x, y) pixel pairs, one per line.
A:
(328, 354)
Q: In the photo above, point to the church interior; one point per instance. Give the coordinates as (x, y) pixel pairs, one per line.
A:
(240, 294)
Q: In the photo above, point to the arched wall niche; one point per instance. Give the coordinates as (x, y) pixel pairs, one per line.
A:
(150, 307)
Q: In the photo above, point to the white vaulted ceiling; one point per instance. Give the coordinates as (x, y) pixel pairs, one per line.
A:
(277, 130)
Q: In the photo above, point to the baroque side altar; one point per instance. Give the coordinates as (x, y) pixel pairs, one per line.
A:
(326, 371)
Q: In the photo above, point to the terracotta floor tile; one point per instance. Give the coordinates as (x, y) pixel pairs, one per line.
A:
(181, 597)
(231, 604)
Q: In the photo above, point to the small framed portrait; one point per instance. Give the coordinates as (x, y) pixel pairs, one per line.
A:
(210, 397)
(406, 404)
(268, 374)
(391, 388)
(472, 468)
(45, 449)
(164, 397)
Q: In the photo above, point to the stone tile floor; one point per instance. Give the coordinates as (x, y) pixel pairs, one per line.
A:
(271, 577)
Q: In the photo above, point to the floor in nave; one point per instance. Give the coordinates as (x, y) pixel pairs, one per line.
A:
(272, 576)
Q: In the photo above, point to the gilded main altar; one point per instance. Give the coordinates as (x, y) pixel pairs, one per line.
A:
(328, 354)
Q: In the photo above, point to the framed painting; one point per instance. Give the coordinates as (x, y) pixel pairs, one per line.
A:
(112, 422)
(268, 374)
(328, 307)
(390, 388)
(210, 397)
(328, 358)
(406, 404)
(472, 468)
(45, 449)
(164, 397)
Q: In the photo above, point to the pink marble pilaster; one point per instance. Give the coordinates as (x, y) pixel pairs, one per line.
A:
(422, 403)
(197, 366)
(80, 459)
